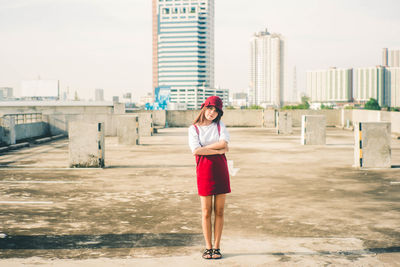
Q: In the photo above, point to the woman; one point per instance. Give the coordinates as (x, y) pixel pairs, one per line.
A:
(208, 140)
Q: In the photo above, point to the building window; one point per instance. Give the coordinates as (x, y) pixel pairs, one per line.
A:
(166, 11)
(193, 10)
(175, 11)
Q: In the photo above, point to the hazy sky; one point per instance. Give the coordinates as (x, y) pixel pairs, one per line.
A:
(88, 44)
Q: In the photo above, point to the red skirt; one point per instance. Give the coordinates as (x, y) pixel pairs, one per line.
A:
(212, 175)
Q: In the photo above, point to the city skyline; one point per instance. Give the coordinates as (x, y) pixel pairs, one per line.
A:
(108, 44)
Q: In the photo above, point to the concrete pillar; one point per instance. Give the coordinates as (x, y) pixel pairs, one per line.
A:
(372, 147)
(284, 123)
(145, 124)
(313, 130)
(119, 108)
(128, 130)
(86, 144)
(269, 118)
(342, 117)
(9, 137)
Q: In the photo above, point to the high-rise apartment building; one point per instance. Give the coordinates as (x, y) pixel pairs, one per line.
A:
(391, 58)
(266, 69)
(393, 82)
(369, 83)
(332, 85)
(183, 48)
(380, 82)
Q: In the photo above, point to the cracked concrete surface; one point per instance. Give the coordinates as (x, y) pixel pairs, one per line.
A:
(291, 205)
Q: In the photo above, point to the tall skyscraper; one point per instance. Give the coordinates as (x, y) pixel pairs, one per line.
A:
(391, 58)
(183, 48)
(332, 85)
(266, 69)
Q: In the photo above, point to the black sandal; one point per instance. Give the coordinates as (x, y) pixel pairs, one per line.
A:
(217, 251)
(208, 253)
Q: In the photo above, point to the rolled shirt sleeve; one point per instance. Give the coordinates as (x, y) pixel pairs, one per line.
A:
(224, 134)
(194, 142)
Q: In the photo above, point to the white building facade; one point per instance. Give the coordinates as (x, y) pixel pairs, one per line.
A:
(391, 57)
(393, 82)
(194, 97)
(266, 69)
(332, 85)
(183, 48)
(371, 82)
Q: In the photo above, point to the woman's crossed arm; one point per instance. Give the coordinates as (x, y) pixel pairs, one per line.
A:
(219, 147)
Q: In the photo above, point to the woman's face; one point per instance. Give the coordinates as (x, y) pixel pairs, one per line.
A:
(211, 113)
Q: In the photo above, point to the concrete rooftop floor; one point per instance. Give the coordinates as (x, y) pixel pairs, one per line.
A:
(291, 205)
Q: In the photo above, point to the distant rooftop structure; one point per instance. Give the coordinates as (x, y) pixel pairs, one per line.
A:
(6, 93)
(40, 89)
(99, 94)
(55, 103)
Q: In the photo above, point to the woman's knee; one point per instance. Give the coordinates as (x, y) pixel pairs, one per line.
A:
(206, 213)
(219, 212)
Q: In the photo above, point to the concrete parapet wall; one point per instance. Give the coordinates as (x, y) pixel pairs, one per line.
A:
(86, 144)
(372, 147)
(58, 123)
(57, 109)
(58, 117)
(31, 130)
(313, 130)
(128, 129)
(346, 117)
(366, 115)
(159, 116)
(333, 116)
(395, 120)
(243, 118)
(181, 118)
(231, 118)
(385, 116)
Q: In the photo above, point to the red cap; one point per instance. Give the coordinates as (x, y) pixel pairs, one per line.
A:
(213, 101)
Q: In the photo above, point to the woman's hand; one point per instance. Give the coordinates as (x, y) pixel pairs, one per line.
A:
(224, 150)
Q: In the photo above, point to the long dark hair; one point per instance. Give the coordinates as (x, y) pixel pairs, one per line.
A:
(201, 117)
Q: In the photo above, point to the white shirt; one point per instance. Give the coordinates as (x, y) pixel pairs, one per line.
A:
(208, 135)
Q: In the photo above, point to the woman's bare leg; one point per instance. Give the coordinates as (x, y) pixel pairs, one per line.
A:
(206, 209)
(219, 204)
